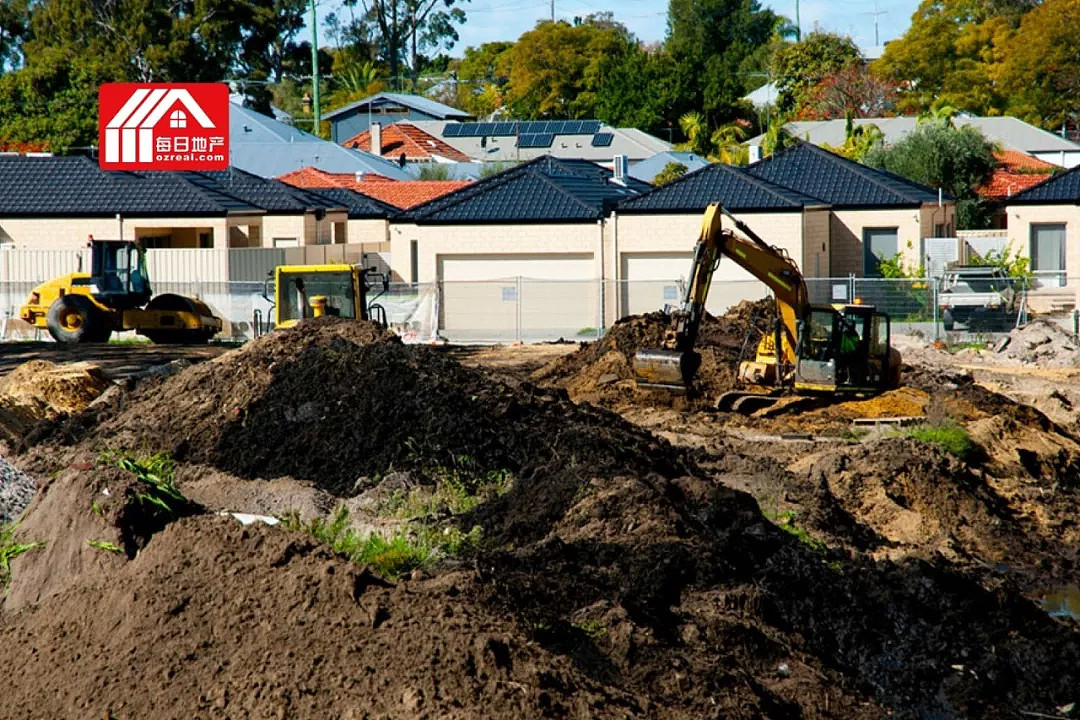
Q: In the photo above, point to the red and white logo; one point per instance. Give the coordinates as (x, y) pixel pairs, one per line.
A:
(163, 126)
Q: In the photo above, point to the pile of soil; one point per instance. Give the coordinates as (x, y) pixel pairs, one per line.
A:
(338, 403)
(40, 390)
(601, 372)
(612, 579)
(1042, 343)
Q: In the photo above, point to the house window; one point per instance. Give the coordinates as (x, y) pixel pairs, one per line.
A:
(939, 230)
(414, 261)
(206, 240)
(878, 244)
(178, 119)
(1048, 253)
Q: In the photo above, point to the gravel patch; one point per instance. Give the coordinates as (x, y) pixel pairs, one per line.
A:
(16, 492)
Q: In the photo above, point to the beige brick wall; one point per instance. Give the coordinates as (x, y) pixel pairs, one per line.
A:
(815, 242)
(846, 234)
(71, 233)
(1020, 218)
(932, 216)
(679, 233)
(373, 234)
(283, 226)
(436, 240)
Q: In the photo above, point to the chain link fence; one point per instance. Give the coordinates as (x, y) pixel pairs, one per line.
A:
(521, 310)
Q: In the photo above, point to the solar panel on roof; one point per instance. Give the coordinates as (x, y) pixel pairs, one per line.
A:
(503, 129)
(527, 128)
(590, 126)
(451, 130)
(572, 127)
(535, 140)
(485, 128)
(555, 127)
(602, 139)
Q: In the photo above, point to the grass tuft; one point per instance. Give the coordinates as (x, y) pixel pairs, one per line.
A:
(105, 545)
(159, 496)
(402, 552)
(9, 550)
(952, 438)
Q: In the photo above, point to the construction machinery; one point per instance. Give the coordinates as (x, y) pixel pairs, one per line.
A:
(820, 350)
(116, 296)
(336, 289)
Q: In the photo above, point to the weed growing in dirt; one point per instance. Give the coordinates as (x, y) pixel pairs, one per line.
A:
(972, 345)
(786, 522)
(9, 550)
(406, 550)
(159, 496)
(458, 489)
(105, 546)
(593, 628)
(949, 436)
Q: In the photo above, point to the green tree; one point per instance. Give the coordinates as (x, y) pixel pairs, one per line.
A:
(948, 53)
(482, 76)
(1039, 71)
(13, 28)
(639, 90)
(404, 30)
(556, 69)
(957, 160)
(72, 46)
(859, 140)
(799, 66)
(709, 40)
(671, 172)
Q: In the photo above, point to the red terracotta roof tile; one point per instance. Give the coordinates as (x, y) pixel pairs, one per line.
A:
(400, 194)
(408, 139)
(1016, 171)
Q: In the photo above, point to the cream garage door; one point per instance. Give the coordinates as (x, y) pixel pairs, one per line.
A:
(482, 298)
(652, 280)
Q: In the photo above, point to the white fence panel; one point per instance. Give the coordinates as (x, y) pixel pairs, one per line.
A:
(188, 265)
(37, 266)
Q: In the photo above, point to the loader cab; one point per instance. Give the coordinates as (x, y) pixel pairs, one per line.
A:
(118, 277)
(336, 290)
(844, 347)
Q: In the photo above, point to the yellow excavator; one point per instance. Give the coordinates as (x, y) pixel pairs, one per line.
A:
(335, 289)
(812, 349)
(116, 296)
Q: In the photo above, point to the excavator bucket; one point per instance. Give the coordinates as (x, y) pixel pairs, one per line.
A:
(665, 369)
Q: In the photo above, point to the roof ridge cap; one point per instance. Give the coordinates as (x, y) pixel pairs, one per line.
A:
(866, 172)
(478, 185)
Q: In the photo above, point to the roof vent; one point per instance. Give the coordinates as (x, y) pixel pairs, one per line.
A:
(755, 153)
(620, 168)
(359, 176)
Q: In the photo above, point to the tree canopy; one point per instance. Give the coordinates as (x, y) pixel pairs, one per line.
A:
(798, 67)
(940, 155)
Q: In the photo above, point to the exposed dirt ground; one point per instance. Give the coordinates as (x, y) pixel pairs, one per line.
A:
(661, 561)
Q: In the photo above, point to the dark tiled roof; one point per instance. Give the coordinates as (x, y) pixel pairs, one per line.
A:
(44, 186)
(1058, 190)
(732, 187)
(271, 195)
(360, 206)
(543, 190)
(840, 182)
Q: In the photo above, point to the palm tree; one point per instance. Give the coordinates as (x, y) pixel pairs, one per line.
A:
(727, 141)
(696, 130)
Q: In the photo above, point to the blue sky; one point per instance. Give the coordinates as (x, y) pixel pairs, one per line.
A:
(490, 20)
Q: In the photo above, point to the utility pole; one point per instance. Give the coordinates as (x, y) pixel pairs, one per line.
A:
(552, 10)
(315, 68)
(798, 25)
(875, 12)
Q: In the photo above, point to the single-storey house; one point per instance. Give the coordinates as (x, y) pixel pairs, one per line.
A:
(523, 248)
(654, 236)
(56, 203)
(872, 213)
(1009, 132)
(267, 147)
(386, 108)
(1044, 224)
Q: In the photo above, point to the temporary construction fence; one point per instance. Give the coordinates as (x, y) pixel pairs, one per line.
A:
(527, 311)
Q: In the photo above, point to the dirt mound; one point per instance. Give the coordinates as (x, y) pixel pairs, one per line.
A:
(39, 390)
(1042, 343)
(602, 371)
(311, 403)
(216, 620)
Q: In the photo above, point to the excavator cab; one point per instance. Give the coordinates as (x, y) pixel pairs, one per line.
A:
(843, 348)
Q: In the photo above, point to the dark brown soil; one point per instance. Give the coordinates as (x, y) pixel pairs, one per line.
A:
(613, 579)
(601, 372)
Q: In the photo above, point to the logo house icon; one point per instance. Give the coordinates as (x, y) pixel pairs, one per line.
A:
(129, 135)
